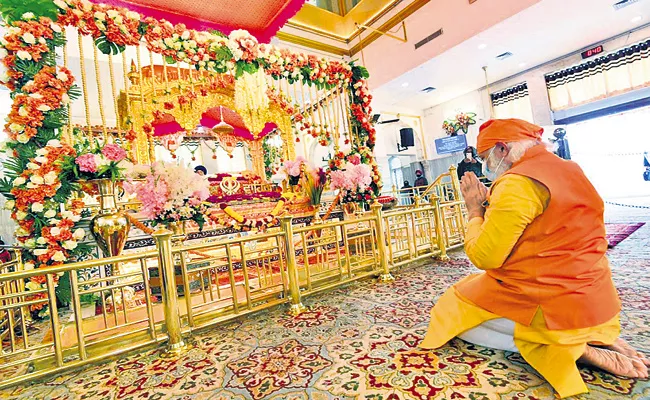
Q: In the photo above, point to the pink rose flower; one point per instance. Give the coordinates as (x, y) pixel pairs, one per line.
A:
(114, 152)
(354, 159)
(86, 163)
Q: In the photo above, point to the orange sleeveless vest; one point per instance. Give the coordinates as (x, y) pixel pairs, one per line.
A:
(559, 262)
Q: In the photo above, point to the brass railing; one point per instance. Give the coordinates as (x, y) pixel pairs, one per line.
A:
(113, 330)
(187, 287)
(406, 196)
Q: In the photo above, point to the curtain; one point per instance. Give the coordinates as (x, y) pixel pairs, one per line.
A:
(609, 75)
(513, 102)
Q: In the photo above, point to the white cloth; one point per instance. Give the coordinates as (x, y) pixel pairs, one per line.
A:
(496, 334)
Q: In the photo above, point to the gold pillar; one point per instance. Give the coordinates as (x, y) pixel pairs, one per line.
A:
(296, 307)
(435, 201)
(385, 276)
(175, 344)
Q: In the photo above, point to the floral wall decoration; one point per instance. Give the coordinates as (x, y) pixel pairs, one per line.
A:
(460, 122)
(37, 184)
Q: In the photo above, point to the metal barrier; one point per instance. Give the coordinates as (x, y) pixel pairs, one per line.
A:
(80, 340)
(204, 284)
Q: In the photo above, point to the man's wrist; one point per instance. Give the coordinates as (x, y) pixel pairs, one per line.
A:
(475, 214)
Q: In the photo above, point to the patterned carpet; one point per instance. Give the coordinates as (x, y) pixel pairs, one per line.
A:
(358, 342)
(616, 233)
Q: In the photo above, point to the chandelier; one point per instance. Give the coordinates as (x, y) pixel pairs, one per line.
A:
(222, 128)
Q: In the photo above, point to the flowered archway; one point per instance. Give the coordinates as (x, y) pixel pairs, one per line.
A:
(332, 97)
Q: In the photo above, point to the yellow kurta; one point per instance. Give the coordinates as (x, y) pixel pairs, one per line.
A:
(514, 203)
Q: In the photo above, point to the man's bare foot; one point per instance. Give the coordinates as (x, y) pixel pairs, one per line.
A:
(623, 347)
(614, 362)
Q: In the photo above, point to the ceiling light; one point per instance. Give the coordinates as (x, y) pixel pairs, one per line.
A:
(636, 19)
(405, 84)
(482, 46)
(523, 64)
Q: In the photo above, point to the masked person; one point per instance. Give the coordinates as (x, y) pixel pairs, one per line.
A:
(420, 181)
(470, 164)
(547, 290)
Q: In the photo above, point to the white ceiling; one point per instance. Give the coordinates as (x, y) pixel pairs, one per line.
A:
(543, 32)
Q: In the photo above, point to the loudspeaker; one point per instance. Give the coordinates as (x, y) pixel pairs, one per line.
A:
(375, 118)
(406, 137)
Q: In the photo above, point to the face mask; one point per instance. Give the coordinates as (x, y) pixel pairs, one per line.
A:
(489, 174)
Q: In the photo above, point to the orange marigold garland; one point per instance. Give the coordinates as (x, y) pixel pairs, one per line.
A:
(134, 221)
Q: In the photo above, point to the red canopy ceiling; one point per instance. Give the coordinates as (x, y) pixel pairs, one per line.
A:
(262, 18)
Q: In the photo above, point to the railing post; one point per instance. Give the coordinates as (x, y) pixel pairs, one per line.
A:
(458, 196)
(296, 307)
(19, 260)
(385, 276)
(455, 183)
(175, 344)
(437, 212)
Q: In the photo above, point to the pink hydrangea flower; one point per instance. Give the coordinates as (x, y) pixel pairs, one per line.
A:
(86, 163)
(114, 152)
(360, 177)
(340, 180)
(292, 168)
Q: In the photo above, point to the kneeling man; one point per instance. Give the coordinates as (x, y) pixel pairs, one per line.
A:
(547, 289)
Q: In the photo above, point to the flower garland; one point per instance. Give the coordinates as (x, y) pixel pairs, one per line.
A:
(322, 133)
(281, 100)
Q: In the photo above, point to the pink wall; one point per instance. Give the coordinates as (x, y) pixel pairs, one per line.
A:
(388, 58)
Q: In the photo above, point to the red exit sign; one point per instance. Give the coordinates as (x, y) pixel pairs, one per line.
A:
(592, 52)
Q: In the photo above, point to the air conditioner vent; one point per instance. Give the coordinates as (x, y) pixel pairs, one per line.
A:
(428, 38)
(623, 3)
(503, 56)
(428, 89)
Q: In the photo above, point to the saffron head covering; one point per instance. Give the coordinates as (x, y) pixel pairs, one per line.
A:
(506, 131)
